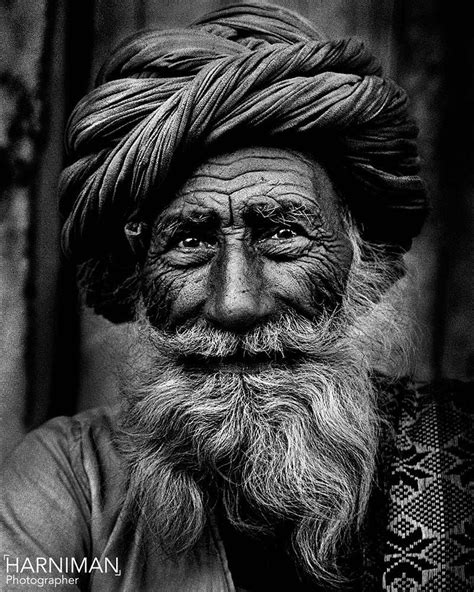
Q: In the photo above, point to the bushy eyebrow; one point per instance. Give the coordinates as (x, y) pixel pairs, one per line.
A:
(178, 222)
(282, 212)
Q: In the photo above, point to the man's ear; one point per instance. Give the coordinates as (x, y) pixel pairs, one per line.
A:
(138, 234)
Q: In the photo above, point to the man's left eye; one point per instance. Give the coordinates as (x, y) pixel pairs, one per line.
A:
(284, 233)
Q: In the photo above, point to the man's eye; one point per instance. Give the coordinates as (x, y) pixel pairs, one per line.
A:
(284, 233)
(195, 242)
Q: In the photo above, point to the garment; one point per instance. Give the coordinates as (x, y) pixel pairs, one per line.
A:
(64, 491)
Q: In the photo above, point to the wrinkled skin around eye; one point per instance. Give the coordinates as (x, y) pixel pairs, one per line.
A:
(249, 234)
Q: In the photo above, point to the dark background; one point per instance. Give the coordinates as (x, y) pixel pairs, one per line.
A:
(54, 357)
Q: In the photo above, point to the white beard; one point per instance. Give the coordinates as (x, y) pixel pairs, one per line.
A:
(288, 444)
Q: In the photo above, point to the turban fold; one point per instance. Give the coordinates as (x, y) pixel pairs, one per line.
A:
(251, 73)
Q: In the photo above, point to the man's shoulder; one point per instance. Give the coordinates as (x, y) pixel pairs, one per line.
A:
(414, 397)
(427, 471)
(431, 426)
(97, 423)
(77, 444)
(63, 488)
(103, 419)
(441, 389)
(436, 415)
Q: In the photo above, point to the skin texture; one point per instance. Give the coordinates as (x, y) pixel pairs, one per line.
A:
(249, 234)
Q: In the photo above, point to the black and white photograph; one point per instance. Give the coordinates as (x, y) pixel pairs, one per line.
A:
(236, 295)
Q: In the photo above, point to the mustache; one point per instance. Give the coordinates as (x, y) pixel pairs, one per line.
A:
(278, 448)
(288, 337)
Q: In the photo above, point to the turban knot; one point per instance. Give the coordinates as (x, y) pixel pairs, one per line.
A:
(248, 74)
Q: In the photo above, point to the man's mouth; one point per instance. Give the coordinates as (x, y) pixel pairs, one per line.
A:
(239, 362)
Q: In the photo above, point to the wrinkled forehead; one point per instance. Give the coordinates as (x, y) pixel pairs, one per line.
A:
(233, 184)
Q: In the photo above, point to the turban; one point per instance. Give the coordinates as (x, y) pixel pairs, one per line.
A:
(247, 74)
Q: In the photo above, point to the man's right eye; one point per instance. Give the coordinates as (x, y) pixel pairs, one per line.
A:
(194, 242)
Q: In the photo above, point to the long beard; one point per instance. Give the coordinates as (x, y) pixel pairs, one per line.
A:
(289, 442)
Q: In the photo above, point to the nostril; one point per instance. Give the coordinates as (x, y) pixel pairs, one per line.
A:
(237, 319)
(240, 314)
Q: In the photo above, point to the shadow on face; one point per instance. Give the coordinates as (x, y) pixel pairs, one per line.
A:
(251, 233)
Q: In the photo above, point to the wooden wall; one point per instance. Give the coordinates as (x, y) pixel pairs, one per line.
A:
(22, 46)
(56, 359)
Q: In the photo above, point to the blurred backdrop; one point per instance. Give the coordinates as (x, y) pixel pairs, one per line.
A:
(56, 358)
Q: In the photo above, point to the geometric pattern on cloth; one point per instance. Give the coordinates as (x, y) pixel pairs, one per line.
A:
(430, 489)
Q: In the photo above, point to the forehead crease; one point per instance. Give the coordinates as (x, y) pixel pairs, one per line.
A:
(244, 168)
(245, 180)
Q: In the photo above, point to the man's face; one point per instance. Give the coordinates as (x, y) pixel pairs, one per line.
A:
(249, 235)
(252, 273)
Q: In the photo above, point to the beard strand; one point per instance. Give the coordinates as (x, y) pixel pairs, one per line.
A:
(291, 445)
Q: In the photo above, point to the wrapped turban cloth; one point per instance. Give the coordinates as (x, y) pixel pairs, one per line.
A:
(248, 74)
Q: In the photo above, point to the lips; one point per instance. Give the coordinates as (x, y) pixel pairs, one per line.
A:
(239, 362)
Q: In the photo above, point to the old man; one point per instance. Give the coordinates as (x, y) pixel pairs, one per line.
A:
(243, 191)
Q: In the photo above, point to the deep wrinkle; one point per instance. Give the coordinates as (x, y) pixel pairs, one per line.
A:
(265, 239)
(286, 214)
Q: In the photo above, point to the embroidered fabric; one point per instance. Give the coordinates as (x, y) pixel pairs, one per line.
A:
(426, 492)
(63, 491)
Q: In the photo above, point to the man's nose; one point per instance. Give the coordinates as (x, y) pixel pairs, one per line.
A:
(238, 298)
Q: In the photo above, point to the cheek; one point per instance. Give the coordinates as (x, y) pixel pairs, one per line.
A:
(315, 282)
(309, 284)
(170, 294)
